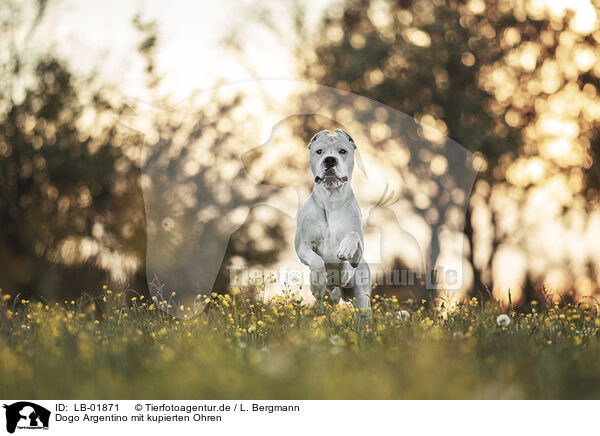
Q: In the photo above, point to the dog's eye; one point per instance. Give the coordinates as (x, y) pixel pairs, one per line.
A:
(319, 151)
(342, 151)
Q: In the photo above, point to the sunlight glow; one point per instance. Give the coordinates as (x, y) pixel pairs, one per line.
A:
(584, 19)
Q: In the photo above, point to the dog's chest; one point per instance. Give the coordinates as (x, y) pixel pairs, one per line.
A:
(326, 233)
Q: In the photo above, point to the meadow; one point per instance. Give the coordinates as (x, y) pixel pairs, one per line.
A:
(118, 345)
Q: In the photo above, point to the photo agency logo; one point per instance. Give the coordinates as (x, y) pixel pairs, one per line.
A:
(24, 415)
(223, 211)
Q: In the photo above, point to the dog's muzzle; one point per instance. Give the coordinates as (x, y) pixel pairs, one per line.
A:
(331, 178)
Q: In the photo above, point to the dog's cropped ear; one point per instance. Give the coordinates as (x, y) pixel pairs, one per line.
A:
(347, 135)
(314, 138)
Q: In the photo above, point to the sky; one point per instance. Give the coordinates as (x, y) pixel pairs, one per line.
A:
(191, 54)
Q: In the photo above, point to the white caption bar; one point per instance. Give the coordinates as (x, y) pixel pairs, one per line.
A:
(21, 417)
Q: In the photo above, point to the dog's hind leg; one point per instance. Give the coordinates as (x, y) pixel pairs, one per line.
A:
(361, 289)
(327, 296)
(336, 295)
(346, 273)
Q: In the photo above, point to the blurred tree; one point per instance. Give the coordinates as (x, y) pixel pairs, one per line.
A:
(483, 73)
(71, 206)
(67, 213)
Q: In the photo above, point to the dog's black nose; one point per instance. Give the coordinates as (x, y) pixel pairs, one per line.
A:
(329, 162)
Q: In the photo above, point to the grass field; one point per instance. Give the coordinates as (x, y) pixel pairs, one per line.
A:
(117, 345)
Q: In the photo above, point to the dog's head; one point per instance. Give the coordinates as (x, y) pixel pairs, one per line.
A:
(332, 158)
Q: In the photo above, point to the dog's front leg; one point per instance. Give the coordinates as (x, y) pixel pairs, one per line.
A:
(350, 249)
(346, 273)
(318, 274)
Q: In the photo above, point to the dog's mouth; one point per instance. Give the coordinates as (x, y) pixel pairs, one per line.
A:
(330, 179)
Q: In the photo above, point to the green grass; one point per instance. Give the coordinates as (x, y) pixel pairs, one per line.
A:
(114, 347)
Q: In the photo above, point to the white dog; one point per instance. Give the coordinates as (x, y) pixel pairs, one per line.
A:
(329, 236)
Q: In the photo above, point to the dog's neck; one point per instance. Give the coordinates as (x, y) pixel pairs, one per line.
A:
(331, 199)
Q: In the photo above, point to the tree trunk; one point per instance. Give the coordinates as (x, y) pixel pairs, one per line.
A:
(478, 289)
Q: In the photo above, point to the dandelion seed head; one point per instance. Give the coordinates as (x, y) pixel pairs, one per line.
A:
(403, 314)
(503, 320)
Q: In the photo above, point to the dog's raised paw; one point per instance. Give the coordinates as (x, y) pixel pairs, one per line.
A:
(348, 247)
